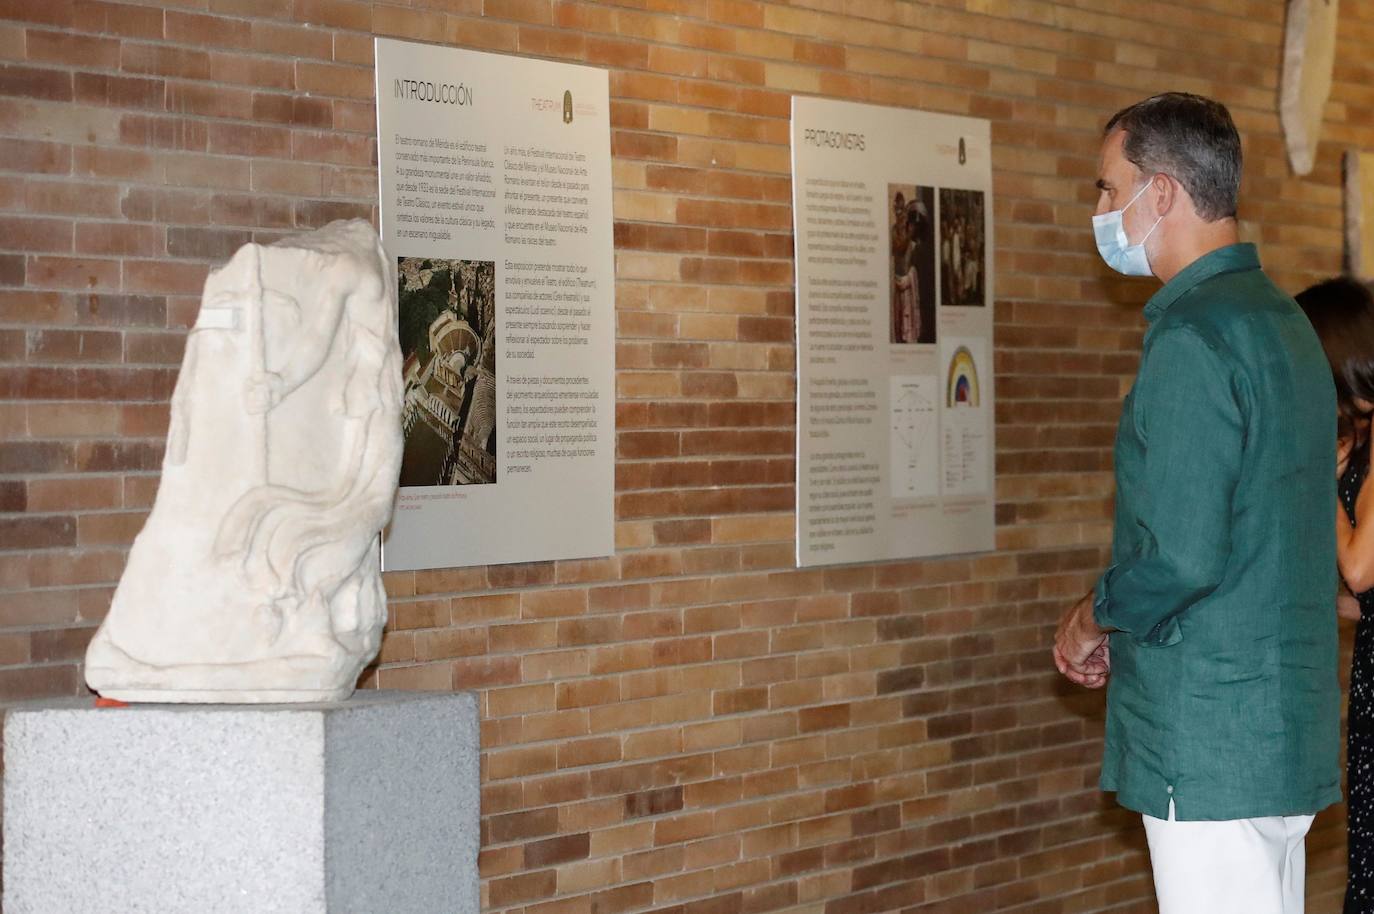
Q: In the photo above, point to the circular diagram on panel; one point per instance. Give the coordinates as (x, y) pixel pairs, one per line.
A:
(962, 389)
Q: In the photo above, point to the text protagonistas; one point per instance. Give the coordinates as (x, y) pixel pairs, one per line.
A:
(833, 139)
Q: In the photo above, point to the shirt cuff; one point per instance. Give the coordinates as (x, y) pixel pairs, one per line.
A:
(1101, 602)
(1161, 634)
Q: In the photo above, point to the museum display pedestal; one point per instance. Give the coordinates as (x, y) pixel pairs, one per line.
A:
(364, 805)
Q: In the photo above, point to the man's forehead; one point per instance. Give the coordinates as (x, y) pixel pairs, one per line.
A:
(1113, 152)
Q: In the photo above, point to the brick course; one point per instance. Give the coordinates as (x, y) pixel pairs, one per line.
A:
(690, 726)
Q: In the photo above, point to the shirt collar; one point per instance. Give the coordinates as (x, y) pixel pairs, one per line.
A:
(1234, 258)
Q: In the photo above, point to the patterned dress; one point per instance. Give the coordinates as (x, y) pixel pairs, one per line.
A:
(1359, 891)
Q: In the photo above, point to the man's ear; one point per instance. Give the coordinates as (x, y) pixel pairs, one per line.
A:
(1166, 194)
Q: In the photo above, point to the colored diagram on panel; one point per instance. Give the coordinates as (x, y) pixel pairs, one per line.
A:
(966, 426)
(962, 385)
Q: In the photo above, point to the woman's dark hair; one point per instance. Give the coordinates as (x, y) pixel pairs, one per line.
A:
(1342, 312)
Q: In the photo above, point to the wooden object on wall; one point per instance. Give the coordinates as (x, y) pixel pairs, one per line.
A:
(1359, 213)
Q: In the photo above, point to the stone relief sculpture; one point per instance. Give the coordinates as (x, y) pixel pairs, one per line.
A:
(256, 577)
(1309, 53)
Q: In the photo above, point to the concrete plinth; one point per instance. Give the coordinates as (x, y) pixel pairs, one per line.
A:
(356, 807)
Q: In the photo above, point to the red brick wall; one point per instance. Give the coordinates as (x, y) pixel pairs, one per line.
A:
(691, 724)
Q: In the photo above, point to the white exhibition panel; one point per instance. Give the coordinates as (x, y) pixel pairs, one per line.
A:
(892, 210)
(495, 176)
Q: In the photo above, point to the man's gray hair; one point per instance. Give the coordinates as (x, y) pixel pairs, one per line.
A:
(1189, 138)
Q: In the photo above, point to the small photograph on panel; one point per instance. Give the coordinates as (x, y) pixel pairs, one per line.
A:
(911, 240)
(448, 341)
(963, 253)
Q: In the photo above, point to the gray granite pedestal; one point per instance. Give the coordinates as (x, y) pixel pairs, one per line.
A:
(358, 807)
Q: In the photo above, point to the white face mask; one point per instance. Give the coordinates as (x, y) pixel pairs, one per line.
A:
(1114, 246)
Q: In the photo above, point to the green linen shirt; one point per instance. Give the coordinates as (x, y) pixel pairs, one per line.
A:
(1223, 693)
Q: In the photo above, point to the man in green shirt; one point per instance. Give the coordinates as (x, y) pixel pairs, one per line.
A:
(1214, 628)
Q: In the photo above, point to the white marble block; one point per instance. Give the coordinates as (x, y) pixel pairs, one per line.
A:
(256, 577)
(357, 807)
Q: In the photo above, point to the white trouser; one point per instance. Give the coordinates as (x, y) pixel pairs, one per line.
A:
(1240, 866)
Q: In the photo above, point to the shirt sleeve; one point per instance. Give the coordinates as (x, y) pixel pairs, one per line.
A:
(1193, 424)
